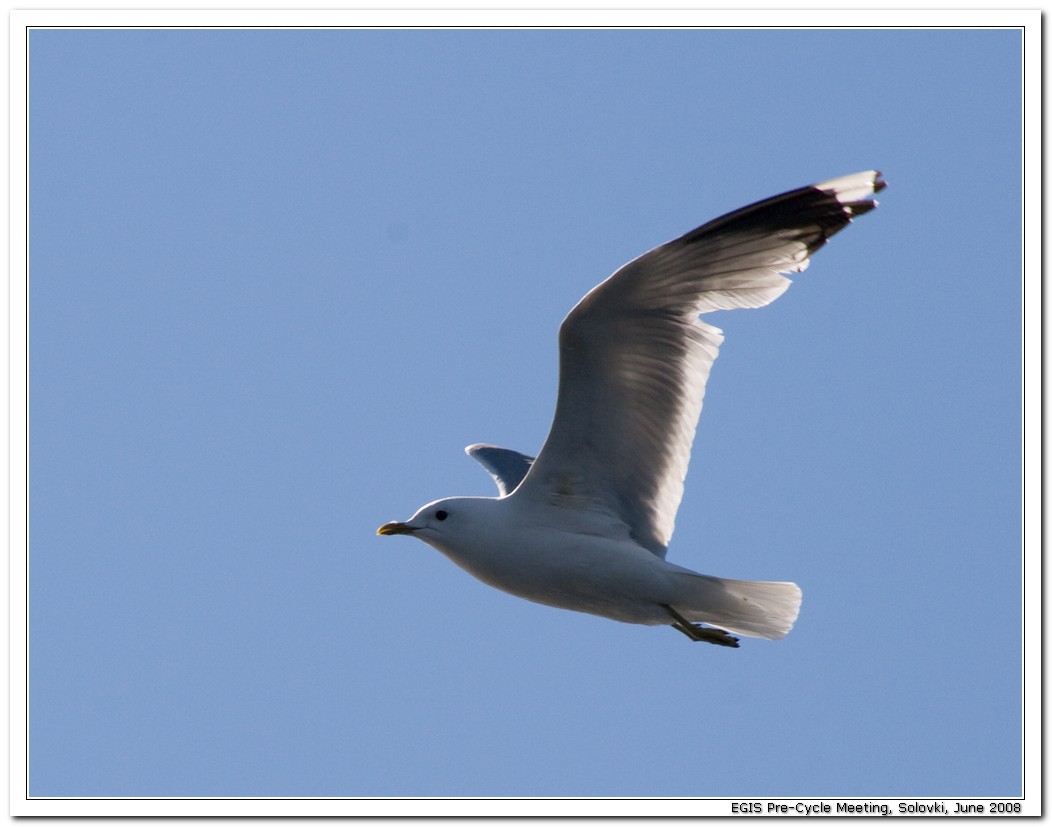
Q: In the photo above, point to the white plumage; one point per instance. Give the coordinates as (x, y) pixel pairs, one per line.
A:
(586, 525)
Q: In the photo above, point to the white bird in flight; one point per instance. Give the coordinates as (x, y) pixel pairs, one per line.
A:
(585, 526)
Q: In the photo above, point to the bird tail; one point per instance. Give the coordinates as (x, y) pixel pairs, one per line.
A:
(746, 607)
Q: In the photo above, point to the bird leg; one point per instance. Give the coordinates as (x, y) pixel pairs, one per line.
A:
(695, 631)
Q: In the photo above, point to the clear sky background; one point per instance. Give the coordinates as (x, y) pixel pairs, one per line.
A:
(279, 279)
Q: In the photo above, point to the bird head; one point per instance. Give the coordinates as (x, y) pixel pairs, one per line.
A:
(445, 523)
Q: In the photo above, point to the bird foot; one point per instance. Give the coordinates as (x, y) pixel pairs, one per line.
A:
(696, 632)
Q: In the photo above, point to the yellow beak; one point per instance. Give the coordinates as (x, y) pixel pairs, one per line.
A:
(395, 528)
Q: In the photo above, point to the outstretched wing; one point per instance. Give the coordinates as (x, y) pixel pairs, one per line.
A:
(634, 357)
(505, 466)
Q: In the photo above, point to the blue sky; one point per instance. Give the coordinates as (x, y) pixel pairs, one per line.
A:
(278, 281)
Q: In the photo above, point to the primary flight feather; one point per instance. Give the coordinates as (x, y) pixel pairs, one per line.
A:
(586, 525)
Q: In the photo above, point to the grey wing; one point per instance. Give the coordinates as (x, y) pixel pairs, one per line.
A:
(634, 357)
(507, 467)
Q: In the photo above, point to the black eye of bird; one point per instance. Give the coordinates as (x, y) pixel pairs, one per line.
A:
(441, 514)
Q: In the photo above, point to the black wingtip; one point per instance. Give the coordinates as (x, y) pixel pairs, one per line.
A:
(857, 208)
(861, 206)
(810, 215)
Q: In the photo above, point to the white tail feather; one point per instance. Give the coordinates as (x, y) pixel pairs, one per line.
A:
(746, 607)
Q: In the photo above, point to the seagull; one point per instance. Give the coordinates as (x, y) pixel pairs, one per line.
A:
(586, 524)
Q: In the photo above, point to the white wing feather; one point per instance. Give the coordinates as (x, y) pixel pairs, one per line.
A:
(634, 357)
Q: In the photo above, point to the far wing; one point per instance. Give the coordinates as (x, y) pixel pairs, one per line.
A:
(505, 466)
(634, 357)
